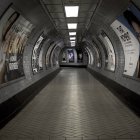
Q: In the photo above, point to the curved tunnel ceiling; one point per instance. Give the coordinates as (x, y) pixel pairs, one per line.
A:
(48, 18)
(92, 15)
(56, 10)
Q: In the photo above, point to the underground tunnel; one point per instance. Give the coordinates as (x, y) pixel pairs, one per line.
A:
(69, 70)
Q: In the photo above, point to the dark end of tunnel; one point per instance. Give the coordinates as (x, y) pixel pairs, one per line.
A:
(14, 105)
(74, 66)
(128, 97)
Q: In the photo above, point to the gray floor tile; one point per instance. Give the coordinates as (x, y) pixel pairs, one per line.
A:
(73, 105)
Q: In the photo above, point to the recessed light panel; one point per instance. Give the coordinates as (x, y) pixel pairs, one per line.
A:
(72, 25)
(72, 33)
(72, 38)
(73, 44)
(72, 41)
(71, 11)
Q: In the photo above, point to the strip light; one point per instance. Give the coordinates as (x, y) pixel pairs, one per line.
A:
(72, 38)
(72, 25)
(72, 33)
(72, 44)
(71, 11)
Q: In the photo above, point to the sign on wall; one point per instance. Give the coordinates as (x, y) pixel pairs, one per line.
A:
(127, 27)
(14, 33)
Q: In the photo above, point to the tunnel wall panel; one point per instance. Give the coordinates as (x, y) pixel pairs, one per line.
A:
(127, 82)
(12, 106)
(104, 16)
(127, 96)
(33, 12)
(15, 94)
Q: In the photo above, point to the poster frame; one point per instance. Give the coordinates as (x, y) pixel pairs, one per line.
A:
(42, 33)
(120, 13)
(104, 49)
(10, 82)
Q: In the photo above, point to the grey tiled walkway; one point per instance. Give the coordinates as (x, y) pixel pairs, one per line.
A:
(76, 106)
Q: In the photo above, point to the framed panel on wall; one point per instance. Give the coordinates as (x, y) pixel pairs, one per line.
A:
(37, 54)
(52, 58)
(14, 33)
(70, 55)
(127, 28)
(109, 51)
(48, 54)
(55, 57)
(91, 58)
(98, 55)
(64, 56)
(79, 56)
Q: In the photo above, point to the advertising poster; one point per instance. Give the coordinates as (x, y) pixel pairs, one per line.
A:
(40, 60)
(110, 54)
(70, 56)
(36, 62)
(14, 33)
(127, 27)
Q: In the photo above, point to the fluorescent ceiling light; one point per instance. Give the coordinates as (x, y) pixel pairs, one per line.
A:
(72, 33)
(72, 44)
(72, 25)
(72, 41)
(72, 38)
(71, 11)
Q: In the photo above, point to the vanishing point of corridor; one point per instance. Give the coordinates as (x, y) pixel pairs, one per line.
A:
(73, 106)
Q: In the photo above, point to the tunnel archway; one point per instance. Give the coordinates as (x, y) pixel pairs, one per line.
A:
(38, 39)
(73, 57)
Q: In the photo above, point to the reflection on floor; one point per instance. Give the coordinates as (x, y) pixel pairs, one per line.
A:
(73, 106)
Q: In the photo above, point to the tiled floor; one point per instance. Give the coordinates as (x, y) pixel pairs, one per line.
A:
(73, 106)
